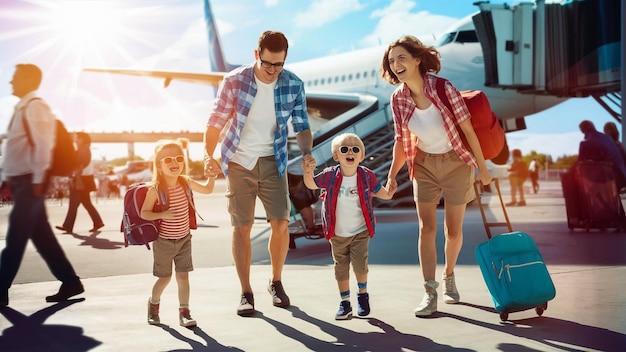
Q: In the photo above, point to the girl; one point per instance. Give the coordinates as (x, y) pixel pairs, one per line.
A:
(172, 187)
(427, 139)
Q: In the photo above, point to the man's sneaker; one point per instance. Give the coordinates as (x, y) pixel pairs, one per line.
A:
(279, 297)
(450, 294)
(66, 291)
(185, 319)
(428, 305)
(153, 313)
(364, 304)
(246, 306)
(344, 312)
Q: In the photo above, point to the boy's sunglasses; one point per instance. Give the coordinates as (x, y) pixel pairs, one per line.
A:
(168, 159)
(344, 149)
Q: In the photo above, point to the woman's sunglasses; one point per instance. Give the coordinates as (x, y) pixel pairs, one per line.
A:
(344, 149)
(168, 159)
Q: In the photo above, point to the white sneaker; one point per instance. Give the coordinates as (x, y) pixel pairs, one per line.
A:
(428, 305)
(450, 294)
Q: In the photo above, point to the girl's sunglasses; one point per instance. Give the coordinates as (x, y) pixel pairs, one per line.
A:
(168, 159)
(344, 149)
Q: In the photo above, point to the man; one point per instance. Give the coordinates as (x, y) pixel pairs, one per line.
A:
(253, 105)
(25, 166)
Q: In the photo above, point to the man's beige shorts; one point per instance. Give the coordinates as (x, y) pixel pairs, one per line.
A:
(167, 251)
(445, 173)
(245, 185)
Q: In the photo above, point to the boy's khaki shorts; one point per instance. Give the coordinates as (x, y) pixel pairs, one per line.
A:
(346, 250)
(245, 185)
(445, 173)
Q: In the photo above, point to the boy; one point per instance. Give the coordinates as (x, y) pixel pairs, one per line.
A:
(349, 189)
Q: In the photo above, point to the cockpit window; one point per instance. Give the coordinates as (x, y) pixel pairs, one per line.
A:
(467, 37)
(446, 39)
(458, 37)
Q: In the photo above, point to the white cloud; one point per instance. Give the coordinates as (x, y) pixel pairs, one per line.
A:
(322, 12)
(271, 3)
(397, 20)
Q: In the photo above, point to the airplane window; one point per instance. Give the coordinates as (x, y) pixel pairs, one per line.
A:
(467, 37)
(315, 82)
(330, 80)
(358, 75)
(373, 73)
(322, 81)
(343, 78)
(446, 39)
(365, 74)
(350, 77)
(336, 79)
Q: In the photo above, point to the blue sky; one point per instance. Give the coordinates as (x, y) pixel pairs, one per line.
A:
(62, 37)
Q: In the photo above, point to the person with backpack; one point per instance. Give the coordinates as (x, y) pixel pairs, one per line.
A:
(438, 161)
(83, 183)
(170, 201)
(26, 166)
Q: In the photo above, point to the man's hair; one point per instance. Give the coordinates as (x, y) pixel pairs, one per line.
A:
(32, 74)
(273, 41)
(586, 126)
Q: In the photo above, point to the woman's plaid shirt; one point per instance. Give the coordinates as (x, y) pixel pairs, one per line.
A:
(403, 107)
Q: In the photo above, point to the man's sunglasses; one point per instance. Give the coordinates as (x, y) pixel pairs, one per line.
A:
(168, 159)
(344, 149)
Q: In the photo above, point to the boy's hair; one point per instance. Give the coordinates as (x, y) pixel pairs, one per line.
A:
(517, 153)
(159, 150)
(273, 41)
(340, 139)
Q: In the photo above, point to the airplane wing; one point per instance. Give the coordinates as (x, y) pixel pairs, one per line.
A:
(213, 78)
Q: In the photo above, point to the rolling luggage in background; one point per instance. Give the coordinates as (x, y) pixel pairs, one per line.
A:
(513, 268)
(599, 197)
(573, 207)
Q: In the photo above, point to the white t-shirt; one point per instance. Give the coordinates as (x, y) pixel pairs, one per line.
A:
(350, 220)
(257, 135)
(427, 125)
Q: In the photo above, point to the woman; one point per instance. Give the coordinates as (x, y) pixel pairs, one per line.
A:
(82, 185)
(428, 141)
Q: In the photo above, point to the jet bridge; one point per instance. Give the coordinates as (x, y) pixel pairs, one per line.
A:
(567, 49)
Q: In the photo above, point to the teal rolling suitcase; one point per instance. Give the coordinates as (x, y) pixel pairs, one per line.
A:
(514, 271)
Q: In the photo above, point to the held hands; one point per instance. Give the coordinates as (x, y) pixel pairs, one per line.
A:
(392, 186)
(308, 163)
(211, 167)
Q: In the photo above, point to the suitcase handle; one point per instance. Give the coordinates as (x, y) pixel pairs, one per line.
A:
(488, 225)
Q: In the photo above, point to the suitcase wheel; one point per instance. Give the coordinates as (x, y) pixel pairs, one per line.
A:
(504, 316)
(540, 309)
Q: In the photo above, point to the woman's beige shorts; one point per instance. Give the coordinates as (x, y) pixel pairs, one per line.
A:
(445, 173)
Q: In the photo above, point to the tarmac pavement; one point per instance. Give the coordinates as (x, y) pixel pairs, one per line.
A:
(588, 313)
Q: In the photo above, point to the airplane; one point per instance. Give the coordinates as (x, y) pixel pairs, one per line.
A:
(331, 82)
(343, 88)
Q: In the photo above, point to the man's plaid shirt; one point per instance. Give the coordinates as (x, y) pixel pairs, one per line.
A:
(233, 102)
(403, 107)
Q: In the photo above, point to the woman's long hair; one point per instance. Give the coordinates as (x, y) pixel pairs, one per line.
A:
(428, 55)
